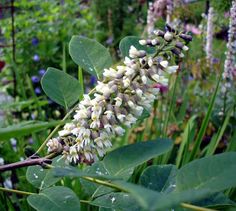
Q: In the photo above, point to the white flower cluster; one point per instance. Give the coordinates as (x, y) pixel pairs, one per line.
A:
(209, 36)
(230, 61)
(117, 102)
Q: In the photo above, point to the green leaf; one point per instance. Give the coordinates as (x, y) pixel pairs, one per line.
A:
(93, 189)
(122, 161)
(75, 172)
(61, 87)
(25, 128)
(215, 173)
(43, 178)
(124, 158)
(126, 43)
(117, 201)
(216, 200)
(56, 198)
(90, 55)
(159, 178)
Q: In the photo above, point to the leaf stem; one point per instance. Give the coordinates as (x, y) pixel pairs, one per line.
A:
(81, 80)
(105, 183)
(15, 191)
(84, 201)
(196, 208)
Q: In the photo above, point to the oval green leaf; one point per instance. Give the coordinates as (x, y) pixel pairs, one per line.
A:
(90, 55)
(43, 178)
(61, 87)
(215, 173)
(25, 128)
(56, 198)
(123, 159)
(159, 178)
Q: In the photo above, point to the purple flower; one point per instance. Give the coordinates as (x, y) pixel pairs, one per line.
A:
(35, 79)
(36, 58)
(50, 102)
(37, 90)
(163, 88)
(215, 60)
(35, 41)
(42, 72)
(30, 140)
(109, 40)
(93, 80)
(33, 116)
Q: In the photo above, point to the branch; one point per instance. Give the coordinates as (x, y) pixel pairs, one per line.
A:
(28, 162)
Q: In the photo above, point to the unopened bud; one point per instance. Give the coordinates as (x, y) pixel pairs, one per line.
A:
(159, 33)
(186, 37)
(142, 42)
(168, 36)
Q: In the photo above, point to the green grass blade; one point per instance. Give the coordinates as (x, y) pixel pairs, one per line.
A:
(214, 143)
(185, 141)
(205, 122)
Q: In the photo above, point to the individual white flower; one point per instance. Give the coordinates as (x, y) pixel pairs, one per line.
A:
(126, 82)
(95, 124)
(54, 145)
(144, 79)
(168, 36)
(101, 151)
(108, 128)
(110, 114)
(172, 69)
(156, 77)
(129, 71)
(142, 42)
(76, 131)
(131, 104)
(128, 62)
(164, 64)
(73, 156)
(88, 155)
(8, 183)
(133, 52)
(121, 117)
(154, 41)
(1, 161)
(139, 92)
(118, 101)
(81, 114)
(185, 48)
(138, 110)
(119, 130)
(86, 100)
(150, 62)
(130, 119)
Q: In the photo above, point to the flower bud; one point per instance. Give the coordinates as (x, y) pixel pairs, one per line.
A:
(168, 36)
(142, 42)
(186, 37)
(155, 42)
(159, 33)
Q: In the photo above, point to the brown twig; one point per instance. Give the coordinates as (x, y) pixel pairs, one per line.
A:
(28, 162)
